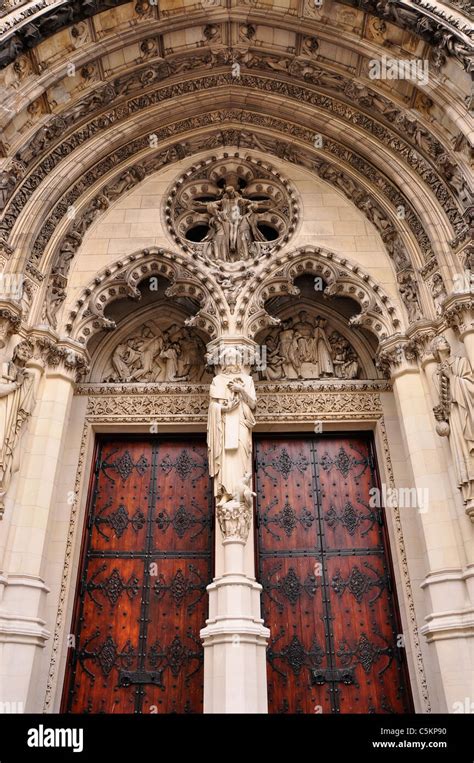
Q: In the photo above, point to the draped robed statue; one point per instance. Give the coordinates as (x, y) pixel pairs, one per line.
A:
(230, 423)
(16, 405)
(455, 414)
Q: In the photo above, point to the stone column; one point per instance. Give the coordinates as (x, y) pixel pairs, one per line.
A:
(447, 624)
(22, 587)
(234, 638)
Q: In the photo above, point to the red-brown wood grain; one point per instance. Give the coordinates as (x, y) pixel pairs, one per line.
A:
(335, 643)
(141, 598)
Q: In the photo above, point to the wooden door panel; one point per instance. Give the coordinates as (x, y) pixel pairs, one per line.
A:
(286, 497)
(181, 516)
(345, 478)
(141, 601)
(177, 611)
(121, 499)
(327, 596)
(294, 593)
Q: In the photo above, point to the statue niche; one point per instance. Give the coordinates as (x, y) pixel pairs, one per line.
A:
(302, 348)
(156, 353)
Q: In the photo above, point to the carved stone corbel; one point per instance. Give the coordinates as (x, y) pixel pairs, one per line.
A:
(10, 320)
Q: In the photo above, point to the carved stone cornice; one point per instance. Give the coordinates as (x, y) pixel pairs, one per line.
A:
(282, 401)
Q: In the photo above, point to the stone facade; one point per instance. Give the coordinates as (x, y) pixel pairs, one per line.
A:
(182, 188)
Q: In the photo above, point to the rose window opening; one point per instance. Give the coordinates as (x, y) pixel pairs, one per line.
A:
(231, 210)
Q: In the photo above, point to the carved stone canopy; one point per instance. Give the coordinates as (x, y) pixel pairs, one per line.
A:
(231, 209)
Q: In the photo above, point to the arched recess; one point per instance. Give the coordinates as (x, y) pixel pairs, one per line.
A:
(399, 241)
(339, 278)
(178, 276)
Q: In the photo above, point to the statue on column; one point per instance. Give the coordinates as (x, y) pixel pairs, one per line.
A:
(455, 414)
(16, 405)
(229, 435)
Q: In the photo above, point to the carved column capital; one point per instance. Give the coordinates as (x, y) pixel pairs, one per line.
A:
(458, 311)
(61, 358)
(10, 320)
(398, 357)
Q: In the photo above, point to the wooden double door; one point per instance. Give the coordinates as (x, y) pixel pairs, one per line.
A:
(146, 562)
(336, 644)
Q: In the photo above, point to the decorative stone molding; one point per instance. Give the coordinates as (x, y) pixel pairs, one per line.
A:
(428, 21)
(398, 355)
(230, 226)
(303, 400)
(10, 320)
(384, 221)
(447, 34)
(341, 279)
(58, 356)
(187, 279)
(56, 129)
(458, 311)
(401, 554)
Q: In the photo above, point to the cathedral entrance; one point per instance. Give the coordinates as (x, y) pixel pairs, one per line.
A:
(141, 597)
(336, 644)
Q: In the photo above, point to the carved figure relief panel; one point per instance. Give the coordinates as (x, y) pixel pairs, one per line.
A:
(307, 346)
(157, 350)
(231, 209)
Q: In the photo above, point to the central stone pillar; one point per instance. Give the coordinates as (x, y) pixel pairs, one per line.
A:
(234, 638)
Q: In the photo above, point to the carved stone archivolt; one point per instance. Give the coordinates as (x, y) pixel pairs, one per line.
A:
(444, 31)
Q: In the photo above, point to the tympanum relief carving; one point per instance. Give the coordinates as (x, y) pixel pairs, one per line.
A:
(305, 347)
(158, 352)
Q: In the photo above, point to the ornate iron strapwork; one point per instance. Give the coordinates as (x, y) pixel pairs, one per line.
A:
(146, 564)
(287, 519)
(344, 462)
(327, 596)
(359, 583)
(118, 520)
(184, 519)
(282, 463)
(289, 587)
(181, 586)
(124, 465)
(112, 587)
(185, 465)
